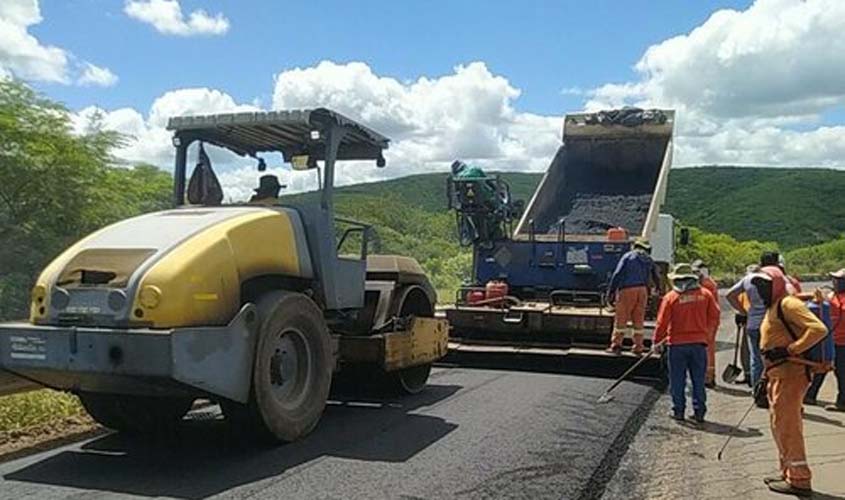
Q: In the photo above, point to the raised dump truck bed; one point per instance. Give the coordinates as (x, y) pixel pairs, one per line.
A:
(610, 172)
(605, 175)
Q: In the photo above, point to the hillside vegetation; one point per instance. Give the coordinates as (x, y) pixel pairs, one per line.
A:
(794, 207)
(56, 187)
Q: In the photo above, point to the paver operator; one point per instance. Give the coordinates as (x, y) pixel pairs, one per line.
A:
(628, 290)
(788, 329)
(687, 316)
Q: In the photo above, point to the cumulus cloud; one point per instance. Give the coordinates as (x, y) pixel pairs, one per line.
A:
(729, 110)
(96, 76)
(466, 114)
(166, 17)
(147, 140)
(749, 86)
(24, 56)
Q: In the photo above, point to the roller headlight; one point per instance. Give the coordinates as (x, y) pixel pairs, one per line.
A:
(150, 296)
(59, 299)
(117, 300)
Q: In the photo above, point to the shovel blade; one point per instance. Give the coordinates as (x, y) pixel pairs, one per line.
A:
(731, 373)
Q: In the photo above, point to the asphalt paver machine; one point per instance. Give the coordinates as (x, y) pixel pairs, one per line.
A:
(540, 288)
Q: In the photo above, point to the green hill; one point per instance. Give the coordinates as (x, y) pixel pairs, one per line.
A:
(790, 206)
(795, 207)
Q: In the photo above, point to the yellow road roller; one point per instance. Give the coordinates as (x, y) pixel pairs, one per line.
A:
(256, 306)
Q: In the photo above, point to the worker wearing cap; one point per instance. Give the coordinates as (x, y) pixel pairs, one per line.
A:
(837, 318)
(782, 343)
(703, 273)
(741, 320)
(628, 290)
(755, 312)
(687, 316)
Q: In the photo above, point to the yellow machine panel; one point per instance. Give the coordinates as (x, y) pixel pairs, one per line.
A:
(198, 283)
(426, 341)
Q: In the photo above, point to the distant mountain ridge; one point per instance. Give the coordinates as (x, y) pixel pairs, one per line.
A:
(794, 207)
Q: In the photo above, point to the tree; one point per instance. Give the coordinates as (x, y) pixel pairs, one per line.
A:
(56, 186)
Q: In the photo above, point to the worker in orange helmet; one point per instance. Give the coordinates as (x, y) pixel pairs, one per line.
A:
(703, 272)
(628, 290)
(687, 315)
(782, 341)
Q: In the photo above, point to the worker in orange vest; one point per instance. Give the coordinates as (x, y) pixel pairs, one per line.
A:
(687, 316)
(788, 330)
(703, 273)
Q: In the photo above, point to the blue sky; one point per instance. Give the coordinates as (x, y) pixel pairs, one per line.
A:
(541, 46)
(754, 82)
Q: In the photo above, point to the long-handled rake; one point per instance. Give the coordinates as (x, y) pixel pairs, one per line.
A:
(734, 429)
(606, 397)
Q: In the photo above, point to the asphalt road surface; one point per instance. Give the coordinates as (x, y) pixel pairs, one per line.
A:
(473, 433)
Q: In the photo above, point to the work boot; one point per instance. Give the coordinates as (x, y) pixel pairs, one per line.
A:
(784, 487)
(710, 384)
(811, 401)
(637, 350)
(614, 349)
(676, 416)
(772, 479)
(698, 418)
(835, 407)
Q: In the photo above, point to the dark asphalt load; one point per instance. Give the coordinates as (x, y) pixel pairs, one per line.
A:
(473, 434)
(594, 213)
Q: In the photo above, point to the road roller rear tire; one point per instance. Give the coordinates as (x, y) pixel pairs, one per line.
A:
(292, 370)
(135, 414)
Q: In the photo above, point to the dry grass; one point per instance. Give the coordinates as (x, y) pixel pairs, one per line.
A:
(21, 411)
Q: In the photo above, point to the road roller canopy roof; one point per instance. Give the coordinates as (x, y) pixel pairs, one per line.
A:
(292, 133)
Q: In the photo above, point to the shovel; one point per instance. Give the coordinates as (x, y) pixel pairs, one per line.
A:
(732, 371)
(607, 396)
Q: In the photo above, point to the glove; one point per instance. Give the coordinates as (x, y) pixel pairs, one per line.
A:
(740, 319)
(776, 354)
(657, 348)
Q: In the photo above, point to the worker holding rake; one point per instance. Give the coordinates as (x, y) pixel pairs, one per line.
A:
(628, 291)
(788, 330)
(687, 316)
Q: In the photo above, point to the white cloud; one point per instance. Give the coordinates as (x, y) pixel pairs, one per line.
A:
(24, 56)
(166, 17)
(96, 76)
(749, 86)
(148, 141)
(21, 54)
(466, 114)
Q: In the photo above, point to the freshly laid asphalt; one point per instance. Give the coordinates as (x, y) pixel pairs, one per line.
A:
(474, 433)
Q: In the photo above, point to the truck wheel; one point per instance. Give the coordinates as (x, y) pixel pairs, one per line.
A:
(135, 414)
(292, 369)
